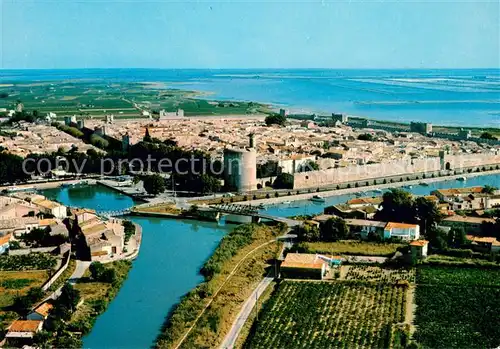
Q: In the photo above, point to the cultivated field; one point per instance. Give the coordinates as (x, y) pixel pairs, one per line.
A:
(17, 283)
(307, 314)
(95, 98)
(377, 274)
(351, 247)
(458, 307)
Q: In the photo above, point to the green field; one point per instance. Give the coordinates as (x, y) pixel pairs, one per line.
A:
(305, 314)
(123, 100)
(457, 307)
(352, 247)
(458, 276)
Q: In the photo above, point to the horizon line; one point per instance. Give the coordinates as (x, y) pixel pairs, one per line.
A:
(252, 68)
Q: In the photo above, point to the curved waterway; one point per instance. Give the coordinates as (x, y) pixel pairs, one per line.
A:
(171, 255)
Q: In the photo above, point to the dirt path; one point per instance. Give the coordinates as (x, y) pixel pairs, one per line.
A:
(410, 307)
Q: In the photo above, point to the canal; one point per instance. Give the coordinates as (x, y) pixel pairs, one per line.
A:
(172, 252)
(171, 255)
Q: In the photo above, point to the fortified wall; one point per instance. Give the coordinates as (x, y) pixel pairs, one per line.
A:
(445, 162)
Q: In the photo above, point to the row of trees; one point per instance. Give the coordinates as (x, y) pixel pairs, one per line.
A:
(276, 119)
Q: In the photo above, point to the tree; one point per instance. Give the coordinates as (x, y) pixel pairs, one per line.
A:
(283, 181)
(154, 184)
(437, 238)
(108, 275)
(147, 136)
(488, 135)
(489, 189)
(366, 137)
(334, 229)
(275, 119)
(136, 180)
(65, 304)
(96, 269)
(98, 141)
(427, 214)
(11, 169)
(396, 206)
(309, 166)
(268, 169)
(308, 232)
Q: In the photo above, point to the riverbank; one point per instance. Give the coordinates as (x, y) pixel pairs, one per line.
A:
(52, 184)
(206, 314)
(337, 192)
(97, 296)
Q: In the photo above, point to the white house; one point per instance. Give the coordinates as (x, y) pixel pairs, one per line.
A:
(403, 231)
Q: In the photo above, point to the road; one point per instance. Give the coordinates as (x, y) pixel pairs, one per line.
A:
(244, 313)
(80, 269)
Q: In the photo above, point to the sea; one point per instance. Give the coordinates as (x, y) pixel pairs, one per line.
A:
(453, 97)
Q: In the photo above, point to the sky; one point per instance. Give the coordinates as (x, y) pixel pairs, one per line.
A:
(249, 34)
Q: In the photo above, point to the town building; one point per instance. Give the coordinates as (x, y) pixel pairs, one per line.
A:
(365, 227)
(419, 249)
(5, 243)
(18, 226)
(469, 224)
(407, 232)
(104, 239)
(21, 330)
(307, 266)
(51, 207)
(41, 312)
(484, 244)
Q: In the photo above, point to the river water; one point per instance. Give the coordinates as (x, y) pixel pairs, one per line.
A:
(172, 252)
(171, 255)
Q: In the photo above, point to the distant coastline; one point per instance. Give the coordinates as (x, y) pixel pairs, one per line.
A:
(450, 97)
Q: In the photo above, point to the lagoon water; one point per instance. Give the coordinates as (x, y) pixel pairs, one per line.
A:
(460, 97)
(171, 255)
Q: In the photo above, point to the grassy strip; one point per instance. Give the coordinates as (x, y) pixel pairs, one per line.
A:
(97, 296)
(217, 320)
(442, 260)
(350, 247)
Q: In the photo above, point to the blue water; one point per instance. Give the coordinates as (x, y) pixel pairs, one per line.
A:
(308, 207)
(96, 197)
(466, 97)
(171, 255)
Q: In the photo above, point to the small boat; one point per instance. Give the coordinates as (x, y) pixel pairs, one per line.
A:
(287, 202)
(462, 179)
(317, 198)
